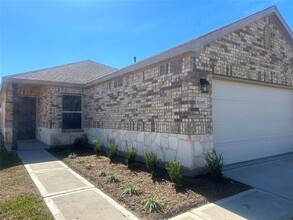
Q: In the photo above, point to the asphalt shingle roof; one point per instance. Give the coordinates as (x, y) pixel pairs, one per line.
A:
(80, 73)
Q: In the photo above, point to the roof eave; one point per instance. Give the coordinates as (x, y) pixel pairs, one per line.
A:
(42, 82)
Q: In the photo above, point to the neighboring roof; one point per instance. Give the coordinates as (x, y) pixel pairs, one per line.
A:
(196, 45)
(73, 73)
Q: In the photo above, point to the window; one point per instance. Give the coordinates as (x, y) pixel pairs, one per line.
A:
(165, 69)
(175, 67)
(71, 112)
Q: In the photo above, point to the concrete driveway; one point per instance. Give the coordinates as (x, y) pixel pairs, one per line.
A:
(274, 177)
(271, 198)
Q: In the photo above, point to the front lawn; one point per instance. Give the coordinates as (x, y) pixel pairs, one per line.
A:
(114, 178)
(19, 198)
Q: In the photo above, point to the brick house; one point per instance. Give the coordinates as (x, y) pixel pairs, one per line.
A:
(231, 89)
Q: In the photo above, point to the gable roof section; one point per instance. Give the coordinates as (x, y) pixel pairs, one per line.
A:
(196, 45)
(74, 73)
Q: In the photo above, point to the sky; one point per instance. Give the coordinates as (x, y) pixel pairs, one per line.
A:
(38, 34)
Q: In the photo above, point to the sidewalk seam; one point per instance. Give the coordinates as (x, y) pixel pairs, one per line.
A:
(48, 197)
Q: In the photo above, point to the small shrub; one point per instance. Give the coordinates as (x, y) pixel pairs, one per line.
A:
(112, 179)
(153, 204)
(151, 161)
(130, 156)
(214, 163)
(81, 141)
(112, 152)
(89, 166)
(72, 156)
(84, 140)
(98, 147)
(174, 170)
(132, 190)
(80, 161)
(102, 173)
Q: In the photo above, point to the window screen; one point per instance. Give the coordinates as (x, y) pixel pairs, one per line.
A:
(71, 103)
(71, 112)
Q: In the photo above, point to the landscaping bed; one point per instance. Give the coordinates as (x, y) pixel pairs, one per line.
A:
(19, 198)
(191, 193)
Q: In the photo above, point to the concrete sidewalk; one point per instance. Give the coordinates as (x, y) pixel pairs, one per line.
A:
(67, 194)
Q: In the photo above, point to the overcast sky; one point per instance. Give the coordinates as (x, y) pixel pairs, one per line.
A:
(37, 34)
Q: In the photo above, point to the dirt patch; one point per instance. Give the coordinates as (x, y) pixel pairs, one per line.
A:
(193, 192)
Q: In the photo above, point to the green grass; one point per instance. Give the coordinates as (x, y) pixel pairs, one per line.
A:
(7, 159)
(23, 207)
(19, 198)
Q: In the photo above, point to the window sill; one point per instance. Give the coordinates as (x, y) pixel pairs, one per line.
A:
(72, 130)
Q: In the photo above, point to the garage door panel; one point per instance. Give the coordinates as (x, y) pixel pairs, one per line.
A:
(249, 112)
(247, 92)
(249, 130)
(254, 149)
(251, 121)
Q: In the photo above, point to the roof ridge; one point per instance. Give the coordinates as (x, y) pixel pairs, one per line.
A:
(102, 64)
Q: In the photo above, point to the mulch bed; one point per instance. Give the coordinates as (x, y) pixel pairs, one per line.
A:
(193, 192)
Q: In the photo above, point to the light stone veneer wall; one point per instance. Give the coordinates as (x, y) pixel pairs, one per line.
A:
(55, 137)
(187, 149)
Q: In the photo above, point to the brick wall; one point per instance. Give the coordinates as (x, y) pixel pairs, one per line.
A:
(161, 98)
(244, 54)
(157, 99)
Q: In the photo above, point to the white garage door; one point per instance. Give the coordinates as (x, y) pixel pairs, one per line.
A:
(251, 121)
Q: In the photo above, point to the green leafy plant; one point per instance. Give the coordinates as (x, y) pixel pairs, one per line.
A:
(112, 179)
(98, 147)
(151, 161)
(89, 166)
(102, 173)
(81, 141)
(174, 170)
(153, 204)
(132, 190)
(80, 161)
(72, 155)
(84, 140)
(130, 156)
(112, 152)
(214, 163)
